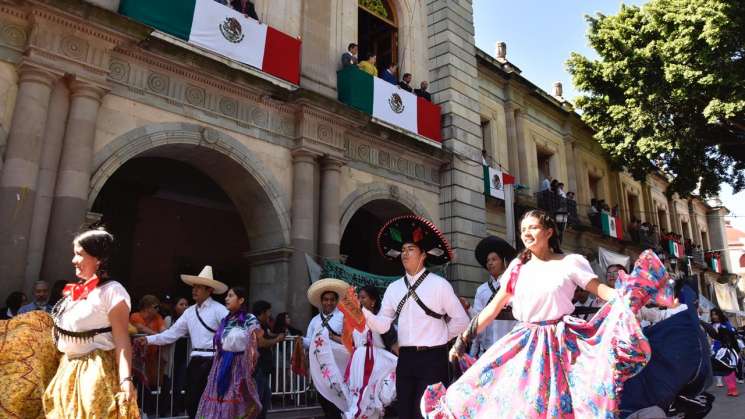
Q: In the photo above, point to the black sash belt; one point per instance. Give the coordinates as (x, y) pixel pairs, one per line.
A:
(412, 293)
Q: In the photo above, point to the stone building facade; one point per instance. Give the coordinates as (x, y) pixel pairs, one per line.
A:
(101, 119)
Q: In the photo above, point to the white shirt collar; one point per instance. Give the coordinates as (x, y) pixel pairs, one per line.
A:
(413, 278)
(206, 303)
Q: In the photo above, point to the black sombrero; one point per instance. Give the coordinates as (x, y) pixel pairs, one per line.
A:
(416, 230)
(494, 244)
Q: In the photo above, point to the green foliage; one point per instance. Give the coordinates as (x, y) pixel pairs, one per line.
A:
(375, 6)
(668, 91)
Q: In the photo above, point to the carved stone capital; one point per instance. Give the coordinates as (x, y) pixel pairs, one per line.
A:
(263, 257)
(80, 88)
(31, 73)
(305, 155)
(334, 163)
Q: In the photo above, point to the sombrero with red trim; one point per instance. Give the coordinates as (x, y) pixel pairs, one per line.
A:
(416, 230)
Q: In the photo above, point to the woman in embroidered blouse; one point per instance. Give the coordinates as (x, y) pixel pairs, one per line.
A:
(231, 389)
(90, 327)
(554, 365)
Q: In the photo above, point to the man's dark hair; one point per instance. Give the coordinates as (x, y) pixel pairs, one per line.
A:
(260, 307)
(330, 292)
(616, 265)
(351, 45)
(407, 74)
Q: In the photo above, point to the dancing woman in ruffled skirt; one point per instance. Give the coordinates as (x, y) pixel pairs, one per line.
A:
(553, 365)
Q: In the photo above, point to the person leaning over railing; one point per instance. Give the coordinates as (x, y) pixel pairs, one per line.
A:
(368, 65)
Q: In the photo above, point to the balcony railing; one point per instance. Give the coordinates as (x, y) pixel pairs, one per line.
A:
(219, 29)
(389, 105)
(554, 203)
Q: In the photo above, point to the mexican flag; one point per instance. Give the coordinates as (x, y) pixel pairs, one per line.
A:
(716, 266)
(495, 180)
(675, 249)
(612, 226)
(389, 103)
(219, 28)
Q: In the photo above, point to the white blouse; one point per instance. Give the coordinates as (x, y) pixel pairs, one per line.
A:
(88, 314)
(545, 289)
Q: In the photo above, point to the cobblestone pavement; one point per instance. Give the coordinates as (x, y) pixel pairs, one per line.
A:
(727, 407)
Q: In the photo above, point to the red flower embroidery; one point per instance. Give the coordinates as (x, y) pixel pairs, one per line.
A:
(319, 341)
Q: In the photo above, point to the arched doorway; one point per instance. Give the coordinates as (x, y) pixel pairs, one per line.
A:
(169, 218)
(358, 243)
(378, 31)
(204, 167)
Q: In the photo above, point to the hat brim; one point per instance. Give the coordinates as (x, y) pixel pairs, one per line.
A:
(217, 286)
(322, 286)
(494, 244)
(405, 229)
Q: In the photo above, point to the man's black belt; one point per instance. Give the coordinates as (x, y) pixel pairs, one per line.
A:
(202, 350)
(423, 348)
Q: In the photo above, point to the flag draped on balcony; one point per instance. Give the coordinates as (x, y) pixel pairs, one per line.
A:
(675, 249)
(612, 226)
(389, 103)
(495, 180)
(716, 266)
(218, 28)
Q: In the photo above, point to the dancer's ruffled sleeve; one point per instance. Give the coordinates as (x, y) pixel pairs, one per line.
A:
(582, 272)
(648, 281)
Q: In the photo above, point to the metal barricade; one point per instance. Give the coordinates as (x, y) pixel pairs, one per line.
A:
(289, 390)
(160, 380)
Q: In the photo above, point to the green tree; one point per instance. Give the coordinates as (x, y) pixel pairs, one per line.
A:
(668, 90)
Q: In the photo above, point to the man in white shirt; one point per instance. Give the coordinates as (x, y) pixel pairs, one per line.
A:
(494, 254)
(324, 294)
(586, 303)
(200, 322)
(428, 312)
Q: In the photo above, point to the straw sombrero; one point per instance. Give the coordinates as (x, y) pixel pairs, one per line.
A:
(205, 278)
(497, 245)
(318, 288)
(416, 230)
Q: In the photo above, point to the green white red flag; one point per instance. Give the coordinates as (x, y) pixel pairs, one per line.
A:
(611, 225)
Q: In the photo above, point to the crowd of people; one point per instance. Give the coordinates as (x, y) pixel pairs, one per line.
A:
(416, 348)
(388, 73)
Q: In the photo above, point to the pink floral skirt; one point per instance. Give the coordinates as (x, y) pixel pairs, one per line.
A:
(567, 368)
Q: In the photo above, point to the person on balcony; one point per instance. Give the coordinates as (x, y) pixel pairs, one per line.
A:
(422, 91)
(389, 74)
(349, 58)
(246, 7)
(405, 83)
(231, 389)
(570, 196)
(560, 190)
(200, 322)
(545, 185)
(368, 65)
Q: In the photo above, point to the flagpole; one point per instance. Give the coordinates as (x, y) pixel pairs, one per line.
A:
(509, 212)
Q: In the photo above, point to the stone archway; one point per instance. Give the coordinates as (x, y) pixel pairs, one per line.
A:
(260, 202)
(363, 213)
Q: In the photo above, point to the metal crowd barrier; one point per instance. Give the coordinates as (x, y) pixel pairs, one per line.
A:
(160, 398)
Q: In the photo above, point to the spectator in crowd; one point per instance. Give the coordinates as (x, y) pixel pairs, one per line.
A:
(422, 91)
(263, 312)
(148, 321)
(389, 74)
(231, 389)
(56, 293)
(614, 211)
(13, 304)
(349, 58)
(41, 299)
(585, 303)
(570, 196)
(634, 229)
(368, 65)
(179, 356)
(283, 324)
(611, 274)
(246, 7)
(545, 185)
(554, 186)
(560, 189)
(593, 213)
(405, 82)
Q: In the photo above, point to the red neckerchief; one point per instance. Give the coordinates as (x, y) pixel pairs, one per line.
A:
(80, 289)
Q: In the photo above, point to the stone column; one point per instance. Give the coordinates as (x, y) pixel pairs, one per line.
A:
(71, 194)
(718, 235)
(512, 141)
(526, 155)
(20, 173)
(59, 105)
(330, 230)
(454, 71)
(302, 235)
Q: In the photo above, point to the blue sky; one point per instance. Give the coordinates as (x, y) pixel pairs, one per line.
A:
(540, 35)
